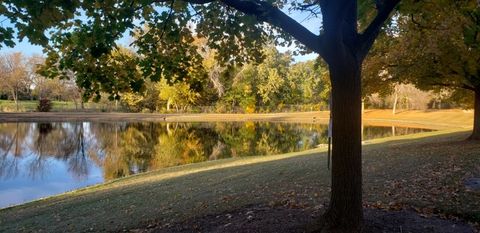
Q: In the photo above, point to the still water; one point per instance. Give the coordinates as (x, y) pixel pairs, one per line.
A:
(42, 159)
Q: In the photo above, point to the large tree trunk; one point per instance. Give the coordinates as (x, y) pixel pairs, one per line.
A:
(476, 116)
(345, 213)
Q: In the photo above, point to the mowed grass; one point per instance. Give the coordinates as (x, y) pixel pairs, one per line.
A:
(423, 171)
(435, 119)
(57, 106)
(24, 106)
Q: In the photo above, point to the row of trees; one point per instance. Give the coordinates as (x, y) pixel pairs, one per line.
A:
(278, 82)
(20, 81)
(268, 86)
(252, 87)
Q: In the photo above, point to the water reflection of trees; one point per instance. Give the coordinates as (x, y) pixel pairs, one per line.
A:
(128, 148)
(12, 137)
(66, 142)
(35, 143)
(125, 149)
(372, 132)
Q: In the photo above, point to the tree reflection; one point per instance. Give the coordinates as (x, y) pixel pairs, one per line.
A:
(60, 141)
(126, 148)
(12, 137)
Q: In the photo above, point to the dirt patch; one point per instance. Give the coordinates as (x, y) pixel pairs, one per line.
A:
(265, 219)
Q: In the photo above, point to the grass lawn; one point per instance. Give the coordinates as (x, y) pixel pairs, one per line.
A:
(57, 106)
(23, 106)
(423, 171)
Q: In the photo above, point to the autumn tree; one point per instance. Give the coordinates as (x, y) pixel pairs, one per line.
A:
(215, 71)
(309, 83)
(84, 32)
(271, 76)
(14, 75)
(422, 54)
(180, 94)
(41, 86)
(242, 90)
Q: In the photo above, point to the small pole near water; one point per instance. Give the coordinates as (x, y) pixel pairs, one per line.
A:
(329, 152)
(328, 156)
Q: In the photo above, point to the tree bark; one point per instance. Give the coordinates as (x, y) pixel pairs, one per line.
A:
(75, 102)
(15, 99)
(395, 100)
(168, 104)
(476, 116)
(345, 212)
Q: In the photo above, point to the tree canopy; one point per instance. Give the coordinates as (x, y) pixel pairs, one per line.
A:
(82, 34)
(435, 49)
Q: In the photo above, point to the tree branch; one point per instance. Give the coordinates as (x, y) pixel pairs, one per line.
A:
(421, 26)
(463, 86)
(266, 12)
(368, 36)
(333, 13)
(189, 1)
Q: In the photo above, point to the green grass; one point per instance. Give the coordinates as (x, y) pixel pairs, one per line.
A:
(57, 106)
(423, 171)
(24, 106)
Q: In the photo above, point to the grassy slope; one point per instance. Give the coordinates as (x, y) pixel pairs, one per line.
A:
(420, 171)
(425, 171)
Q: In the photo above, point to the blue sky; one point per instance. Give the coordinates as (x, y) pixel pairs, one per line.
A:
(312, 24)
(25, 47)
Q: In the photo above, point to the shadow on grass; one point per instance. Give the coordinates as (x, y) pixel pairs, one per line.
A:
(397, 170)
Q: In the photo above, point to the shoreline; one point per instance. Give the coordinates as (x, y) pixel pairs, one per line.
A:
(415, 119)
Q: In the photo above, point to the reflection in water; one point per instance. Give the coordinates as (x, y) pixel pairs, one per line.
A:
(127, 148)
(48, 158)
(63, 141)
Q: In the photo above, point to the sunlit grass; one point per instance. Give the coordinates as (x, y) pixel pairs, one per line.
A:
(31, 106)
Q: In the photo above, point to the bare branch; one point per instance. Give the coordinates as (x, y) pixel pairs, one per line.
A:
(421, 26)
(306, 6)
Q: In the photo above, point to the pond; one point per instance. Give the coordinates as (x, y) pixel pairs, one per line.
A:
(42, 159)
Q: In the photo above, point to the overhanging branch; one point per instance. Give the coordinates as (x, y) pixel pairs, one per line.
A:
(368, 36)
(462, 86)
(268, 13)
